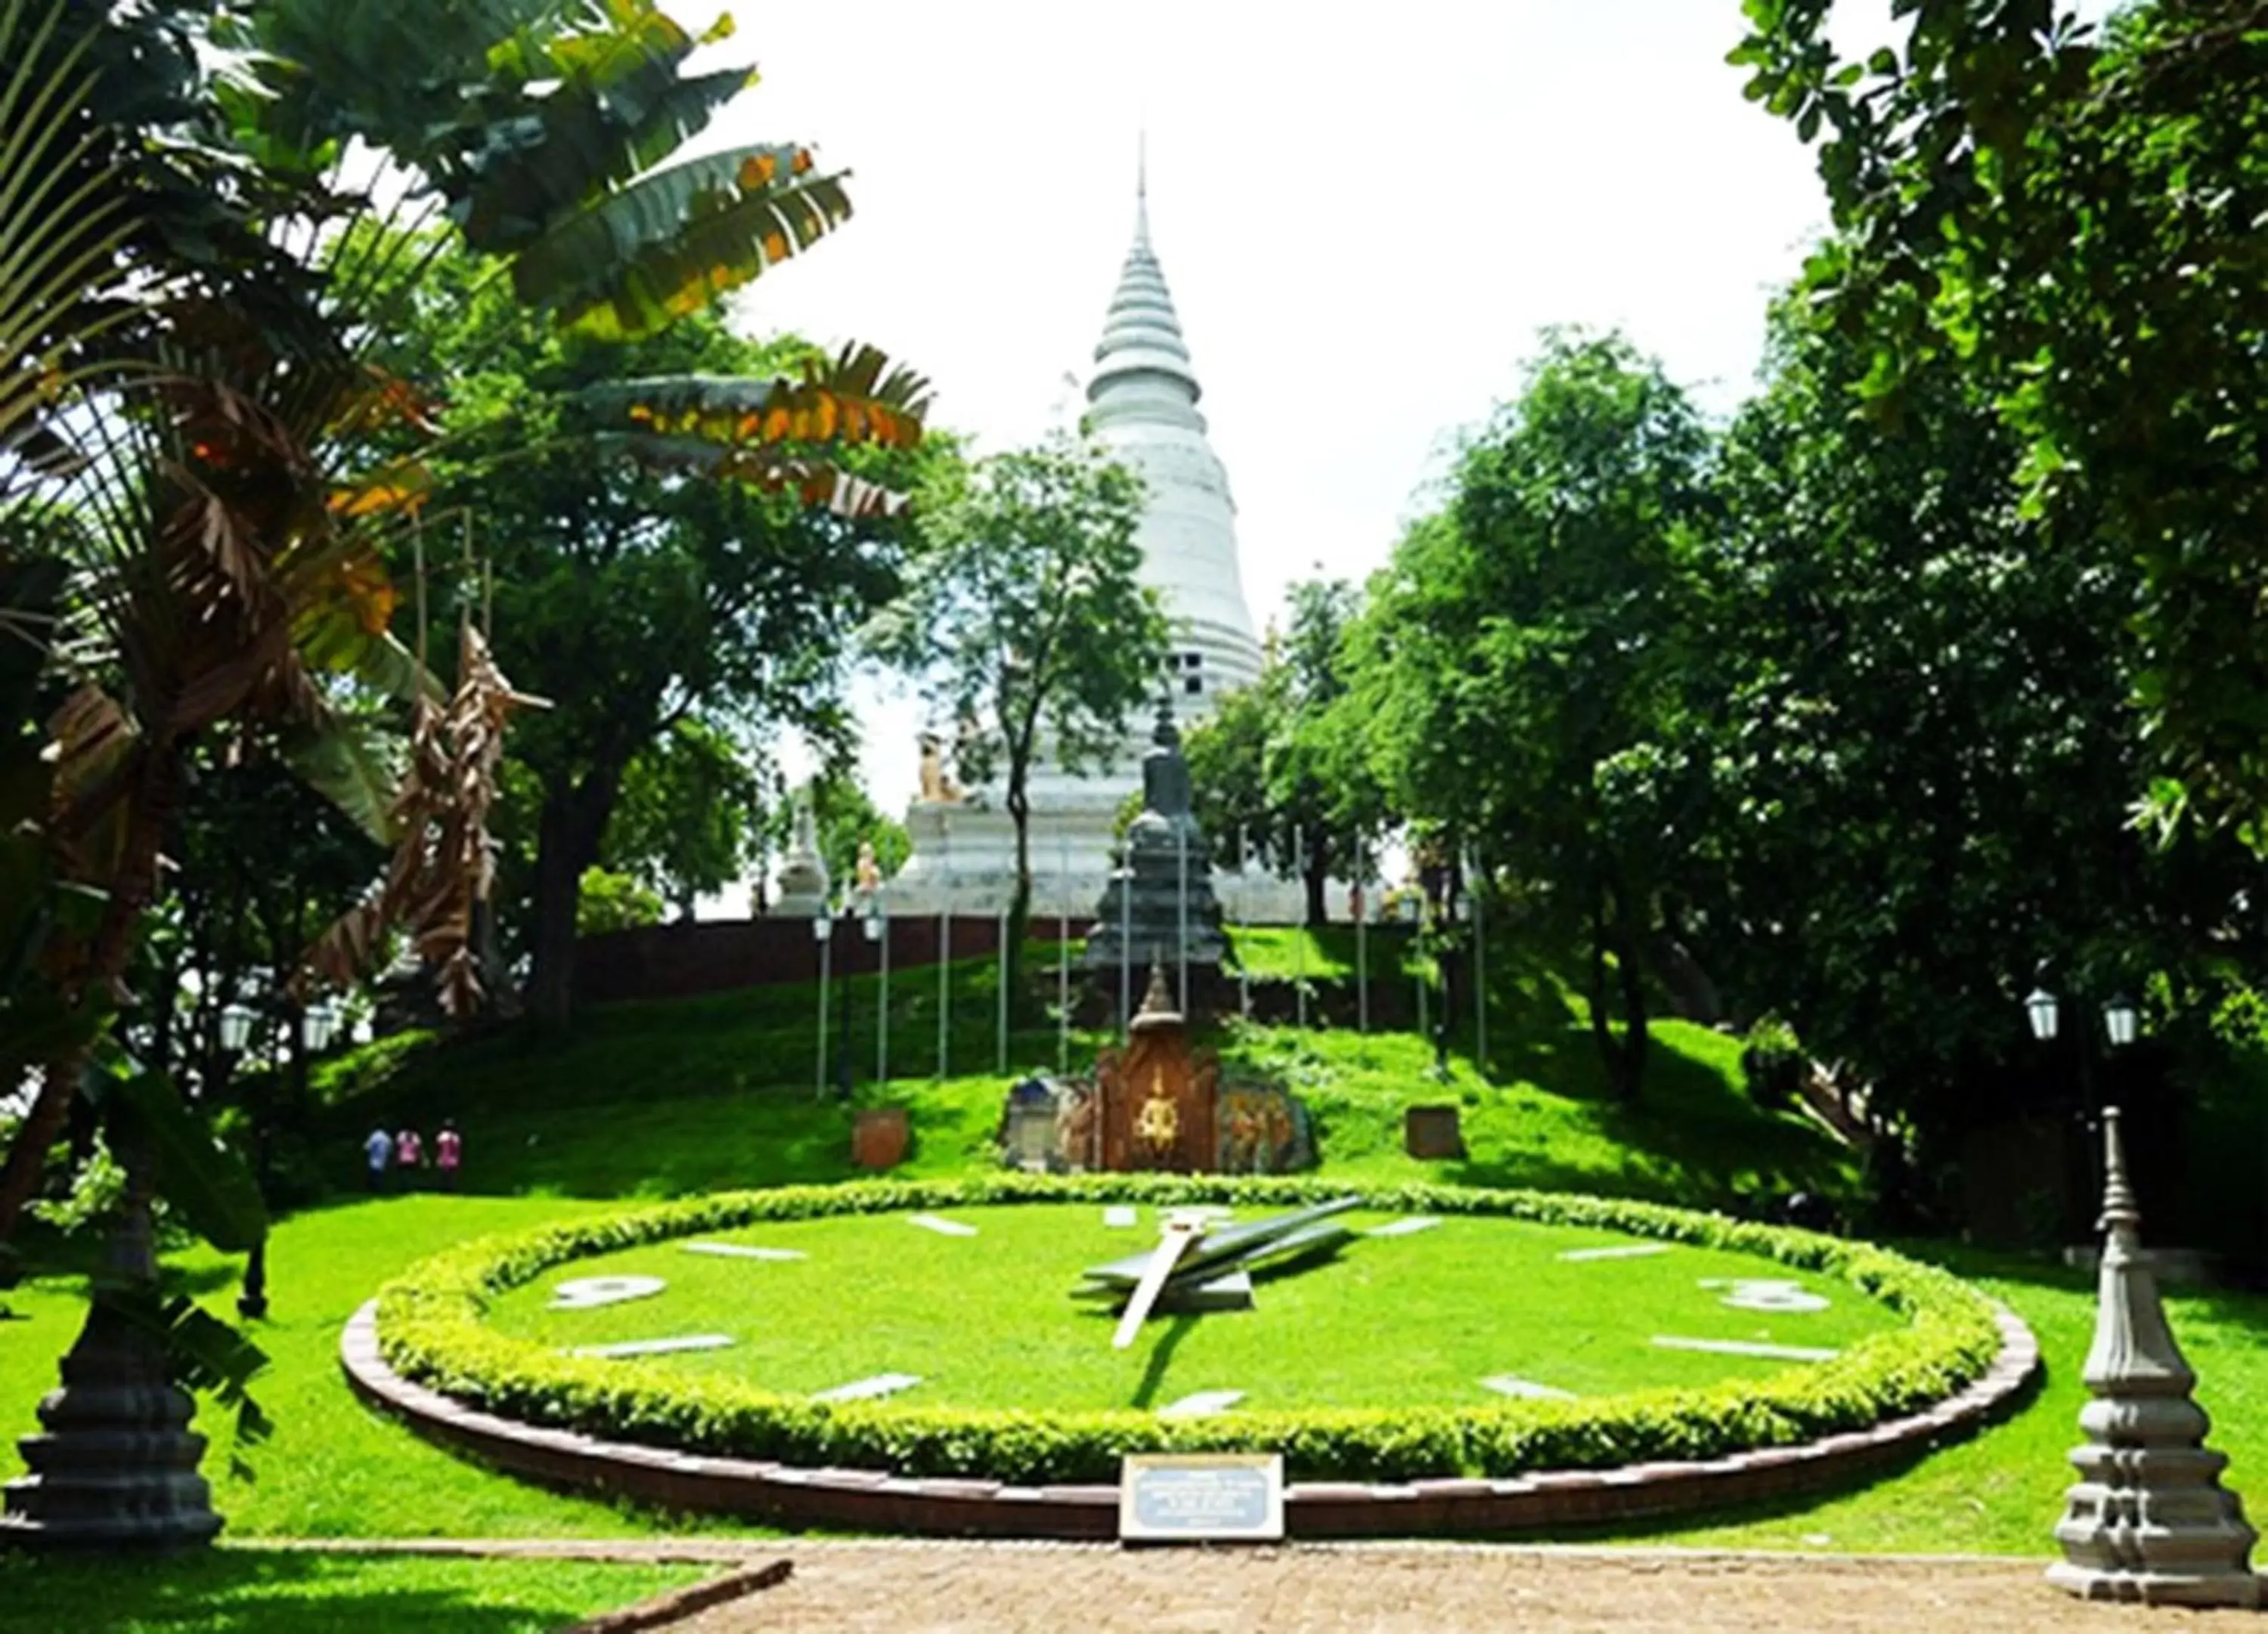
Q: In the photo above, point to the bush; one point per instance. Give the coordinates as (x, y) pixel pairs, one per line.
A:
(431, 1331)
(1772, 1063)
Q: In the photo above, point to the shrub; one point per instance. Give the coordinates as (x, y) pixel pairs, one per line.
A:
(431, 1331)
(1772, 1063)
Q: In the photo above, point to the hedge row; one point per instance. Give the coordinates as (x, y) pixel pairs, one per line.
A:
(431, 1329)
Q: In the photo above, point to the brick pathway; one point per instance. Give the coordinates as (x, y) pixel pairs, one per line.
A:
(1383, 1589)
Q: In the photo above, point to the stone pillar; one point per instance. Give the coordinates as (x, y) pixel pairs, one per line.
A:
(116, 1464)
(2148, 1519)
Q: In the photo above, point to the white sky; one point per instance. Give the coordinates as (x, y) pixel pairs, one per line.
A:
(1365, 217)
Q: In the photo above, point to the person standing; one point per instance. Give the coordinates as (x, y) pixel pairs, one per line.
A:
(379, 1150)
(448, 1152)
(409, 1154)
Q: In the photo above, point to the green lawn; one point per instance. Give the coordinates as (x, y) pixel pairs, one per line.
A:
(243, 1591)
(660, 1100)
(987, 1320)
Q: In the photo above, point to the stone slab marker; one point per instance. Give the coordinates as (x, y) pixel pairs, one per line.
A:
(2148, 1519)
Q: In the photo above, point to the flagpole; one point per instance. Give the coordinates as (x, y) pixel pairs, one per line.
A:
(1243, 924)
(882, 1033)
(1300, 922)
(1063, 953)
(1182, 913)
(1361, 941)
(1480, 964)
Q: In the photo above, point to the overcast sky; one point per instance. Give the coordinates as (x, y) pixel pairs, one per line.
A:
(1363, 222)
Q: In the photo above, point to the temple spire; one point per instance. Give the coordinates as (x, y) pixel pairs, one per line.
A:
(1142, 189)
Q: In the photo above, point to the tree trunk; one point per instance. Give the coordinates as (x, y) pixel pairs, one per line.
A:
(573, 823)
(1019, 899)
(1318, 878)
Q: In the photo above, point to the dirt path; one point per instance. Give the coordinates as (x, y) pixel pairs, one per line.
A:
(1383, 1589)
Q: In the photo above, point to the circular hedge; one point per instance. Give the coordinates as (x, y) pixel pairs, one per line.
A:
(431, 1329)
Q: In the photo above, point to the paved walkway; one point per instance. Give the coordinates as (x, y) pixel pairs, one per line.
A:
(931, 1588)
(1381, 1589)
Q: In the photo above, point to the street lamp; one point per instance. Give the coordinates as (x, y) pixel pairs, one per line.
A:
(1453, 915)
(236, 1019)
(1410, 909)
(317, 1024)
(822, 931)
(878, 932)
(2120, 1022)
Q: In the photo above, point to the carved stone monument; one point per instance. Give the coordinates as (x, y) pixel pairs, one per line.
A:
(1164, 894)
(803, 883)
(2148, 1519)
(1158, 1095)
(114, 1463)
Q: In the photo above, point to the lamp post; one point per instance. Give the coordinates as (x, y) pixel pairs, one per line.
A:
(1411, 909)
(822, 931)
(1453, 916)
(317, 1024)
(2120, 1021)
(878, 932)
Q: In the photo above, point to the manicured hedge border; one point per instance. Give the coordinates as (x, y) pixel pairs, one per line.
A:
(431, 1331)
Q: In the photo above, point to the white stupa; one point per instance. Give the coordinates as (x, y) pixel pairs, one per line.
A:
(1142, 406)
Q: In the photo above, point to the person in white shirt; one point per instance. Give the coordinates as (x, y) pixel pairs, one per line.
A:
(379, 1149)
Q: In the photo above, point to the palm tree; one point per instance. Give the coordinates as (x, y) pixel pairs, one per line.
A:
(214, 481)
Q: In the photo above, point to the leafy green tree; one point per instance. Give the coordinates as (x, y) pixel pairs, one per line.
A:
(1028, 617)
(1282, 761)
(846, 817)
(2074, 220)
(633, 600)
(690, 817)
(1919, 754)
(1518, 652)
(606, 901)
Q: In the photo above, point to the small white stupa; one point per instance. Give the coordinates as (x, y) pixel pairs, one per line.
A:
(1142, 406)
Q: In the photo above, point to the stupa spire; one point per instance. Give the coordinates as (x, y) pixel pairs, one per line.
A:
(1142, 348)
(1142, 190)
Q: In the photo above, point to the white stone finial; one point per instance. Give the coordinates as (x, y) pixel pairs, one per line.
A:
(1142, 189)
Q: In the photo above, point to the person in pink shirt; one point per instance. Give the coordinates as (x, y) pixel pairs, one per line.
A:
(448, 1152)
(409, 1154)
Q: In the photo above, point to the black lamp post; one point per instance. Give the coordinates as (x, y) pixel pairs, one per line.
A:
(2120, 1022)
(877, 923)
(822, 931)
(316, 1025)
(1453, 916)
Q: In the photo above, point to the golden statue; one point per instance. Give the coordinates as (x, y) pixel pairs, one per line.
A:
(936, 786)
(870, 872)
(1160, 1123)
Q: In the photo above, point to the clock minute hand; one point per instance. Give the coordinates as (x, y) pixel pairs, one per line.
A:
(1180, 1233)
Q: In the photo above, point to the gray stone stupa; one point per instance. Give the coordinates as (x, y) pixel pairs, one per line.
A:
(1164, 893)
(2148, 1519)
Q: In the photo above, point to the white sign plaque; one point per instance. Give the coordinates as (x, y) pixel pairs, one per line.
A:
(1201, 1497)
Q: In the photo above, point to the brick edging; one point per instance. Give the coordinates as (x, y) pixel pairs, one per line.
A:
(875, 1500)
(678, 1604)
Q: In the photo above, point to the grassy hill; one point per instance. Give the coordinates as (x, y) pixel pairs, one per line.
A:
(663, 1097)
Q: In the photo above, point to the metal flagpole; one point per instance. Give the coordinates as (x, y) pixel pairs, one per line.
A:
(1243, 924)
(824, 927)
(944, 978)
(1181, 929)
(1299, 924)
(882, 1033)
(944, 945)
(1063, 955)
(1004, 993)
(1361, 941)
(1480, 963)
